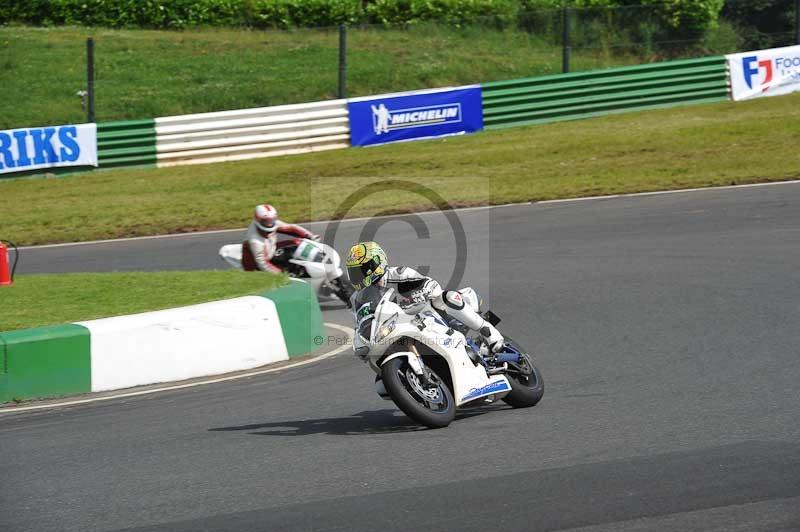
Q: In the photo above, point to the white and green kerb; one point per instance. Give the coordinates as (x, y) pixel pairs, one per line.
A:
(162, 346)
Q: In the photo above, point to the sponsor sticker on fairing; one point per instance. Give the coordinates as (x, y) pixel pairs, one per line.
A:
(493, 387)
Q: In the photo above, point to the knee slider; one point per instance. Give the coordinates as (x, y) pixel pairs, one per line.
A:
(454, 300)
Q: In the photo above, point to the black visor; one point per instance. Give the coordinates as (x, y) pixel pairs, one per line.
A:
(357, 274)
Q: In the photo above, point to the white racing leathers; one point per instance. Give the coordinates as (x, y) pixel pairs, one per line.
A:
(414, 290)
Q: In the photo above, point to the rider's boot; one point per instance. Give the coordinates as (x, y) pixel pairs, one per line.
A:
(457, 308)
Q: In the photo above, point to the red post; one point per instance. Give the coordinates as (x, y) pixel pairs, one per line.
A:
(5, 273)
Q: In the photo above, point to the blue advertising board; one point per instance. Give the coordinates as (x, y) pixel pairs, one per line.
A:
(415, 115)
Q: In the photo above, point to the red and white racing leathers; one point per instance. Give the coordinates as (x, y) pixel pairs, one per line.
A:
(259, 247)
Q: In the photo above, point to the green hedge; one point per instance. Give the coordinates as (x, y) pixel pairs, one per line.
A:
(176, 14)
(679, 17)
(454, 12)
(685, 16)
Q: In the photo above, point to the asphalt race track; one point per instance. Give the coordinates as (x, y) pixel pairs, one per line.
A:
(667, 328)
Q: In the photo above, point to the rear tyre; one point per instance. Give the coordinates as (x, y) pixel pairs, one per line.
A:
(527, 388)
(430, 405)
(344, 290)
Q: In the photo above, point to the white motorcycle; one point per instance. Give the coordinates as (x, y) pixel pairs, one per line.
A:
(427, 363)
(314, 262)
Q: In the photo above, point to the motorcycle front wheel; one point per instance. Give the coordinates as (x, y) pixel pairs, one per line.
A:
(429, 404)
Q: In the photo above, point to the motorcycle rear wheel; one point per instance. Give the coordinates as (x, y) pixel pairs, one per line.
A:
(344, 290)
(432, 406)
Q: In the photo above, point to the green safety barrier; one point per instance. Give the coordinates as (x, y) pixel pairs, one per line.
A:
(509, 103)
(126, 143)
(57, 361)
(300, 315)
(526, 101)
(45, 362)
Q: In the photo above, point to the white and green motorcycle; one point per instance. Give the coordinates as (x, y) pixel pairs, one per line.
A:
(430, 365)
(316, 263)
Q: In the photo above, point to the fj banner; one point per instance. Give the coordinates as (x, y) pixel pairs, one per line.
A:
(764, 72)
(415, 115)
(45, 147)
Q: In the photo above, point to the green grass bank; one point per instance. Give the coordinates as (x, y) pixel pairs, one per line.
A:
(52, 299)
(145, 74)
(693, 146)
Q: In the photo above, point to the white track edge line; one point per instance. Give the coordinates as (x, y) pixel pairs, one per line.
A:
(660, 192)
(460, 209)
(346, 330)
(242, 230)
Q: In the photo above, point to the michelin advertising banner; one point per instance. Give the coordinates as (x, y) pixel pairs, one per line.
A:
(27, 149)
(764, 73)
(415, 115)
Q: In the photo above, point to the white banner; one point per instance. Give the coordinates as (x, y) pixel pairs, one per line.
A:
(764, 72)
(45, 147)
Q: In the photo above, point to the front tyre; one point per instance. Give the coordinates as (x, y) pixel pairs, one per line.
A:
(430, 404)
(527, 385)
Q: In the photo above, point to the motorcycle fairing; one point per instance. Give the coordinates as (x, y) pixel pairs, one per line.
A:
(499, 385)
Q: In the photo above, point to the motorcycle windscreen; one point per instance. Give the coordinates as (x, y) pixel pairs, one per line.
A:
(366, 301)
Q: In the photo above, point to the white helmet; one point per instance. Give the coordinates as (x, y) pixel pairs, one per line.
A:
(266, 218)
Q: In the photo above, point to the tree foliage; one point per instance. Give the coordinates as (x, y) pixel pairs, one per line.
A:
(683, 16)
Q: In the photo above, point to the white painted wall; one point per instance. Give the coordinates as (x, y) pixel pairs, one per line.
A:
(185, 342)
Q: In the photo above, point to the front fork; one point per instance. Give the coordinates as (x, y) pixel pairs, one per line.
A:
(417, 366)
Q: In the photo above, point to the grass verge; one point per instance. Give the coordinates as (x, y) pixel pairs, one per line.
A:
(52, 299)
(145, 74)
(694, 146)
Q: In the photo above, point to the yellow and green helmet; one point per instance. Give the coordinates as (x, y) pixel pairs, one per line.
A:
(366, 263)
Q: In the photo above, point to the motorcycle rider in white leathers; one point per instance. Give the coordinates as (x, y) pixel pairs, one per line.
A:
(369, 271)
(261, 242)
